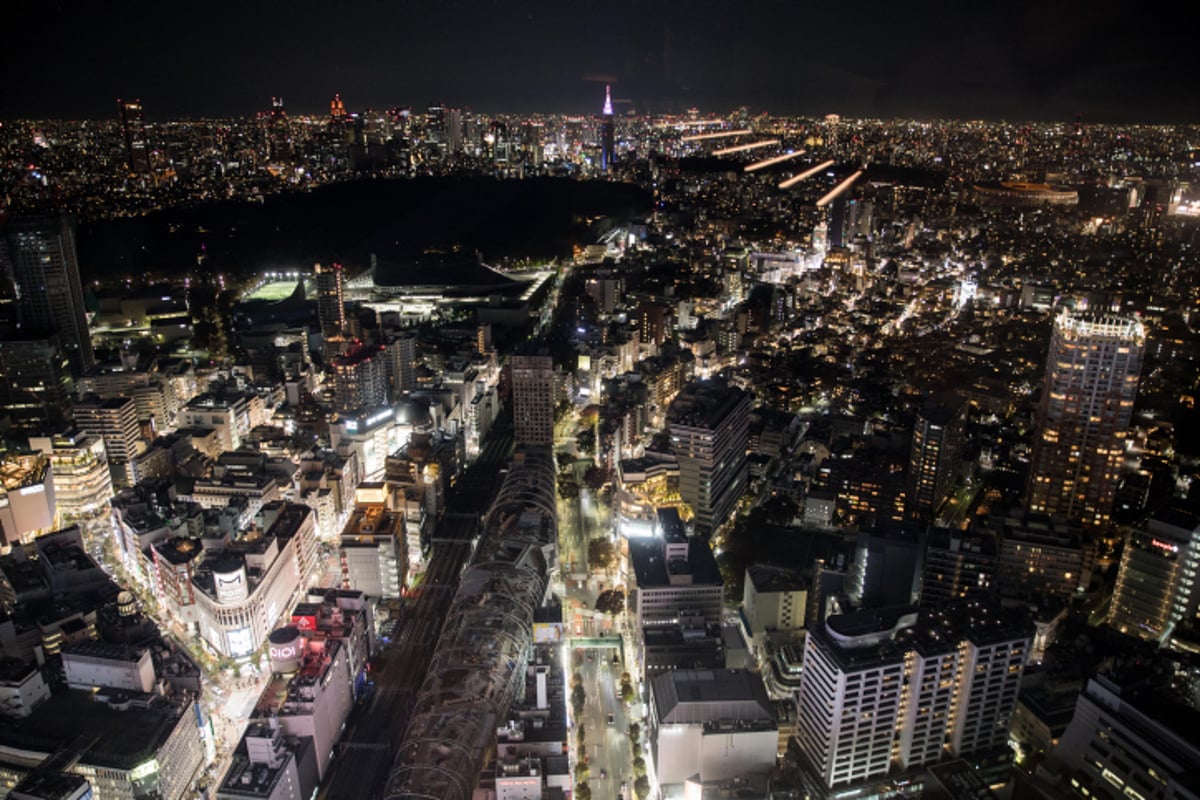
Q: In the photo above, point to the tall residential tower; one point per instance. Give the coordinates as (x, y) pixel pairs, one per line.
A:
(1087, 400)
(37, 254)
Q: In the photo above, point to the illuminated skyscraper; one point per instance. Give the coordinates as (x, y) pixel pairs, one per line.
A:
(279, 132)
(607, 132)
(533, 399)
(331, 307)
(137, 145)
(1157, 585)
(360, 380)
(337, 109)
(894, 689)
(936, 452)
(1087, 399)
(37, 254)
(710, 426)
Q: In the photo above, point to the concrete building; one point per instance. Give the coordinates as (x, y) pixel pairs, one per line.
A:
(331, 306)
(23, 687)
(27, 498)
(1157, 586)
(37, 390)
(773, 599)
(957, 565)
(115, 421)
(1090, 385)
(83, 486)
(672, 575)
(1039, 555)
(533, 399)
(360, 380)
(38, 256)
(719, 724)
(92, 664)
(242, 589)
(129, 746)
(1127, 741)
(373, 549)
(226, 412)
(933, 463)
(710, 428)
(267, 765)
(892, 688)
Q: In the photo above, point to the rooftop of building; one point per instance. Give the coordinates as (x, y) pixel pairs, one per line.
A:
(121, 739)
(107, 651)
(704, 404)
(766, 578)
(369, 522)
(23, 471)
(710, 697)
(43, 783)
(247, 779)
(652, 570)
(179, 549)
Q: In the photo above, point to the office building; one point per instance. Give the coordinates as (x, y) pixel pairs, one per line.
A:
(360, 381)
(958, 565)
(37, 254)
(144, 745)
(115, 421)
(1127, 741)
(718, 724)
(331, 304)
(533, 399)
(1083, 416)
(674, 574)
(773, 599)
(82, 482)
(895, 689)
(402, 365)
(1157, 584)
(137, 144)
(230, 413)
(268, 765)
(934, 460)
(885, 570)
(709, 424)
(37, 391)
(1038, 555)
(27, 501)
(374, 548)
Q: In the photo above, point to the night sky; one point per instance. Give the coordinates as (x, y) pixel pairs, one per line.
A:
(967, 59)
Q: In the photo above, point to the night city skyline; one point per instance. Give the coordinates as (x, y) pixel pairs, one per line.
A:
(928, 60)
(626, 401)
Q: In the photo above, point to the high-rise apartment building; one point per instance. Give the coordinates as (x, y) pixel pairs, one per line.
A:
(360, 379)
(115, 421)
(331, 304)
(37, 254)
(936, 452)
(402, 354)
(894, 688)
(1158, 585)
(137, 144)
(1087, 399)
(37, 390)
(957, 565)
(533, 399)
(710, 428)
(1126, 740)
